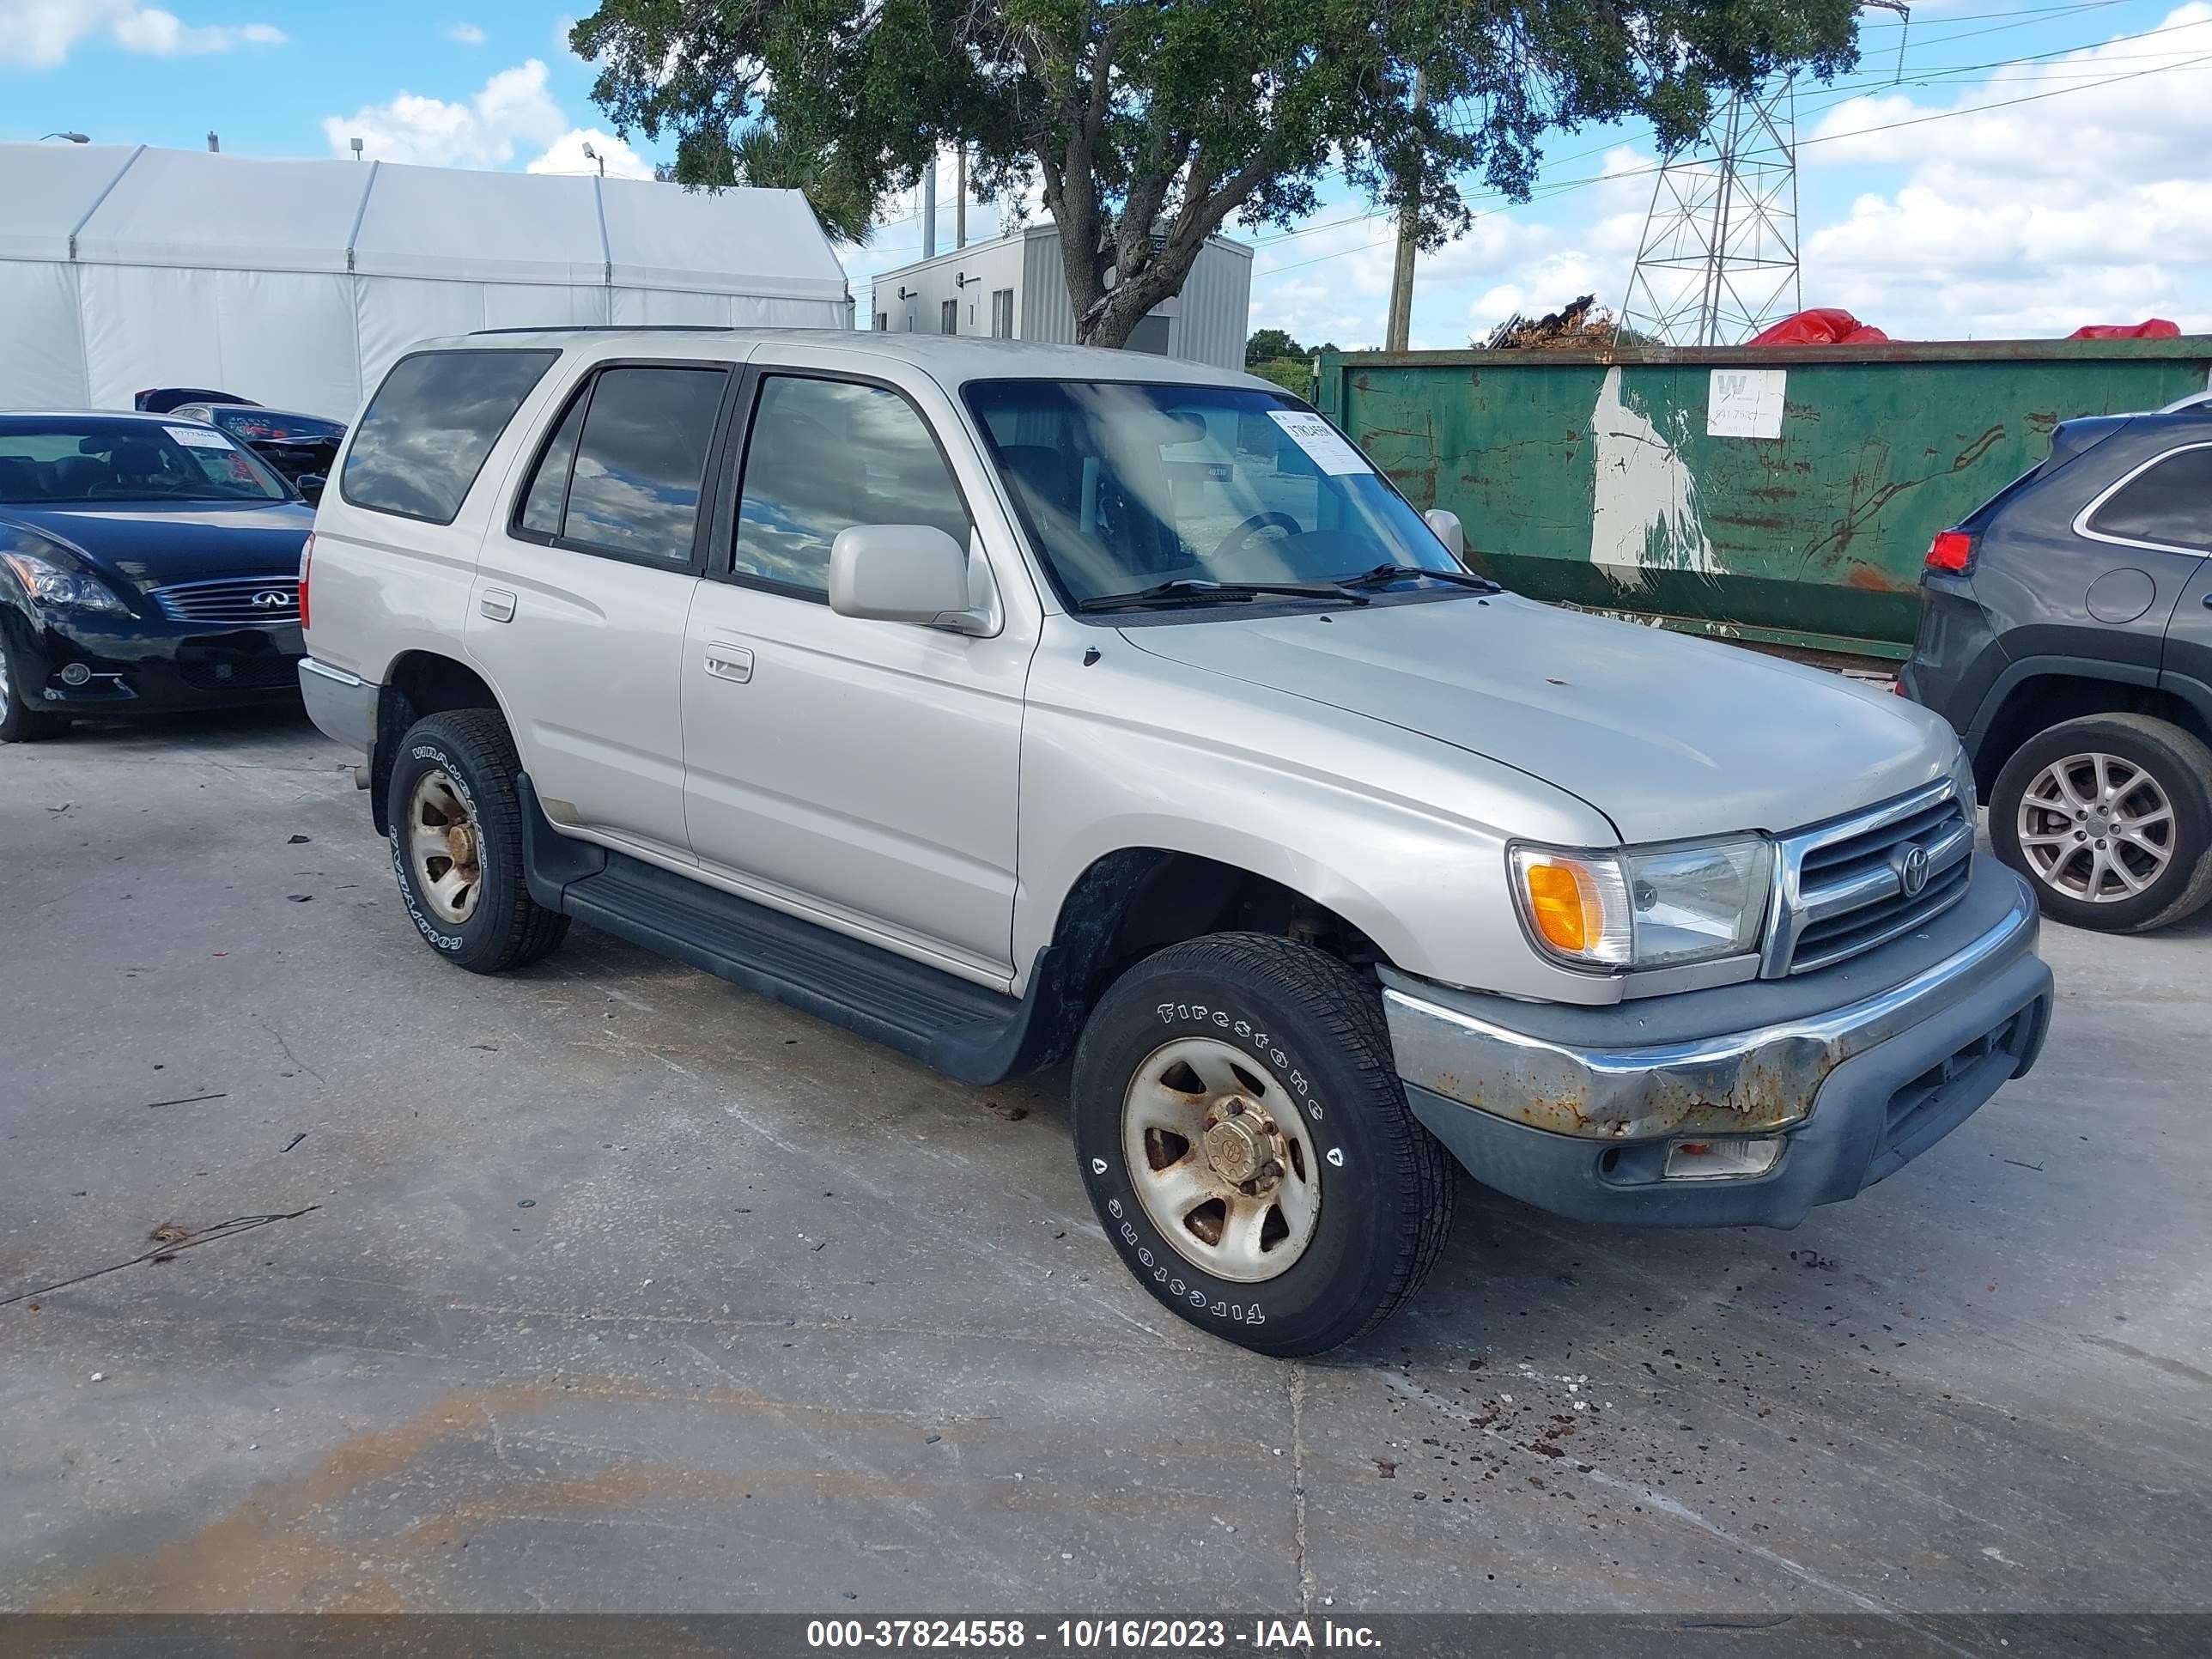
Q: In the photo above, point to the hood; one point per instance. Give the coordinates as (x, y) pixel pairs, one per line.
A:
(1668, 736)
(153, 544)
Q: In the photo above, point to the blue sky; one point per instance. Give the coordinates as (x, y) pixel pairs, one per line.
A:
(2040, 165)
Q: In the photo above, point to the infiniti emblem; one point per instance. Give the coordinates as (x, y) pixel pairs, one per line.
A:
(270, 599)
(1912, 866)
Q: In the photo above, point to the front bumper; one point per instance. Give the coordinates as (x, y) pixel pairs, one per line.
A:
(1857, 1070)
(140, 664)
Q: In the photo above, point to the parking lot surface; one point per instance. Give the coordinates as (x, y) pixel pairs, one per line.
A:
(606, 1286)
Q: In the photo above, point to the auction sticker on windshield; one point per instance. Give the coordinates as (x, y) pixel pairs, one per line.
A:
(193, 437)
(1319, 439)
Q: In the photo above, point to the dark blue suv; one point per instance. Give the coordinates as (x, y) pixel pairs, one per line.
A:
(2067, 633)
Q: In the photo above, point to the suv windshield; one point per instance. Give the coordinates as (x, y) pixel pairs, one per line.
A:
(1128, 487)
(93, 458)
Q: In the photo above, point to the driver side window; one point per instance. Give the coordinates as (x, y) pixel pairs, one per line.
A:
(825, 455)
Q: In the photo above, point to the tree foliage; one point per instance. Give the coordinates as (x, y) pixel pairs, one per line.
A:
(1145, 125)
(1267, 345)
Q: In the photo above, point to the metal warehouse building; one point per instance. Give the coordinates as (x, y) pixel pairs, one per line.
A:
(1012, 287)
(296, 284)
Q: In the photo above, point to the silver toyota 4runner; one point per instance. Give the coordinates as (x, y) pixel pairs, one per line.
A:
(1004, 703)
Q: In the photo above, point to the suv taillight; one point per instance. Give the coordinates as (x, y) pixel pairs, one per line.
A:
(1952, 551)
(307, 563)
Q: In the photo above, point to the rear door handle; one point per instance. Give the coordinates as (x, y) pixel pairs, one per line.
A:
(729, 662)
(497, 603)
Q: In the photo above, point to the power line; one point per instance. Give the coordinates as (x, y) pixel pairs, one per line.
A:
(1564, 185)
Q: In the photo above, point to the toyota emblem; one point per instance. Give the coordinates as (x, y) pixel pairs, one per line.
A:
(271, 598)
(1913, 870)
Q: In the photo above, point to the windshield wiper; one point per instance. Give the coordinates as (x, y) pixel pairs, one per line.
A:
(1191, 590)
(1390, 573)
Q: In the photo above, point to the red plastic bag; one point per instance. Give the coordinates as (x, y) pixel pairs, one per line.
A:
(2152, 328)
(1825, 327)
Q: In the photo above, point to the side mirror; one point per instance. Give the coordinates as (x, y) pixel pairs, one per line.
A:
(1447, 528)
(310, 486)
(905, 572)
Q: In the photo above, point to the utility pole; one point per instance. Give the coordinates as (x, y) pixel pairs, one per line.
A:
(1409, 223)
(960, 197)
(929, 208)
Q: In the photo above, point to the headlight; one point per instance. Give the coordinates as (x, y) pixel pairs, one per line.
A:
(65, 590)
(1645, 907)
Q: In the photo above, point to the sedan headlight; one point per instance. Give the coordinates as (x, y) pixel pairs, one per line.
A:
(49, 583)
(1645, 906)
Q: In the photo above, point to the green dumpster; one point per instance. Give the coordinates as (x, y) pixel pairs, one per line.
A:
(1782, 494)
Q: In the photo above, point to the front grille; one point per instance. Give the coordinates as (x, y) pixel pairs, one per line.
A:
(237, 601)
(1843, 887)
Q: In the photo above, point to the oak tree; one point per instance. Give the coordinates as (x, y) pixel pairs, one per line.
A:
(1146, 125)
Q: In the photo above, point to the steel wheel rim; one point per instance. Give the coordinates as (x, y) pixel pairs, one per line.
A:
(443, 847)
(2097, 828)
(1240, 1196)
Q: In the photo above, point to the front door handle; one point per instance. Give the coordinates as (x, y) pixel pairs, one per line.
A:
(497, 603)
(729, 662)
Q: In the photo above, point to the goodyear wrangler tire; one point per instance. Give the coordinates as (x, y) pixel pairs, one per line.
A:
(456, 840)
(1247, 1144)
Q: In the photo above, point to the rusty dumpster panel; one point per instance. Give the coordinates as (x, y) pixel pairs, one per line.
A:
(1590, 477)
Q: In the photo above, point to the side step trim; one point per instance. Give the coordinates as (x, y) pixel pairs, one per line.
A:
(966, 1031)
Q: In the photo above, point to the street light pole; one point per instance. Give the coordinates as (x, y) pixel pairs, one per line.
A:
(66, 138)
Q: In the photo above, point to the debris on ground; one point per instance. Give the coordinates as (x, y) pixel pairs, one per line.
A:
(295, 1141)
(1581, 326)
(185, 1100)
(1011, 1114)
(298, 841)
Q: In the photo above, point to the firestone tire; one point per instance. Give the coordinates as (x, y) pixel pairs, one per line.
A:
(456, 840)
(1298, 1045)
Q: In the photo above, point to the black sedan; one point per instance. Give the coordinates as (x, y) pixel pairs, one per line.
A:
(300, 447)
(145, 565)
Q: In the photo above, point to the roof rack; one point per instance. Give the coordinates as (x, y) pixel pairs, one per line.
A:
(608, 328)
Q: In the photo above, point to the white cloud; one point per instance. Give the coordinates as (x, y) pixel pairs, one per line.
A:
(2029, 218)
(566, 155)
(511, 110)
(41, 33)
(466, 35)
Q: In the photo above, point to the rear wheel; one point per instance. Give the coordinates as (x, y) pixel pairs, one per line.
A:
(456, 836)
(2110, 818)
(19, 722)
(1247, 1146)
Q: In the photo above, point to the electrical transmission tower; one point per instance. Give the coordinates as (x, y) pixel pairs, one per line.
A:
(1718, 257)
(1718, 263)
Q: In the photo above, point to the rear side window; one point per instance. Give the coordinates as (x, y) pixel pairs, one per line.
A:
(2169, 502)
(622, 472)
(424, 435)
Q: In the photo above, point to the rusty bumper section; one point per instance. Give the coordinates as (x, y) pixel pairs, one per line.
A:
(1832, 1101)
(1734, 1082)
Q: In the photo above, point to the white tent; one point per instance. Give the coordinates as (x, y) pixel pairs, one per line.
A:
(296, 284)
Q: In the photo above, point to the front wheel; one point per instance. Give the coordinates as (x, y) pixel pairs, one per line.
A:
(456, 818)
(1247, 1146)
(19, 722)
(2110, 818)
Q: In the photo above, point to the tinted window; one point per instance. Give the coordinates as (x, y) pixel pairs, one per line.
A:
(547, 498)
(2171, 503)
(426, 432)
(635, 486)
(826, 455)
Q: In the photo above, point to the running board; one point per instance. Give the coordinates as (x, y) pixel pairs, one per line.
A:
(964, 1030)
